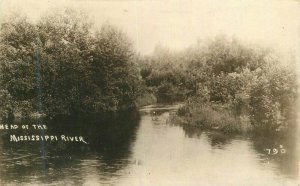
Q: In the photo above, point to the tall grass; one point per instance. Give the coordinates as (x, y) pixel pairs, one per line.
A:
(211, 116)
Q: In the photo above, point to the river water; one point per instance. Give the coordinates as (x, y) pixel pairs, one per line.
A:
(154, 152)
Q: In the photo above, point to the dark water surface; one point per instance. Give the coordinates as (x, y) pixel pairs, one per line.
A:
(151, 151)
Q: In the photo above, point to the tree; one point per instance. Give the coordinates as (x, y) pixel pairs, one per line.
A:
(18, 40)
(60, 66)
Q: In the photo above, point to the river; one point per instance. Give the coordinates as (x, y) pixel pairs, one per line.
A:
(154, 152)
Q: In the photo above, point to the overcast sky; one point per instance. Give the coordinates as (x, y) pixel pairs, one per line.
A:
(178, 24)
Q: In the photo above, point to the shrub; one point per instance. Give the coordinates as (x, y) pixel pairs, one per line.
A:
(272, 98)
(209, 116)
(245, 82)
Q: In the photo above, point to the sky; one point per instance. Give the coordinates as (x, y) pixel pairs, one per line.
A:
(178, 24)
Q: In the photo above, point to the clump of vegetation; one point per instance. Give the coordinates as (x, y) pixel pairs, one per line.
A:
(229, 81)
(208, 116)
(146, 99)
(273, 98)
(164, 76)
(61, 66)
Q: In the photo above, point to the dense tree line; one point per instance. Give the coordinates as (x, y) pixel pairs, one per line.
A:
(163, 76)
(228, 77)
(61, 66)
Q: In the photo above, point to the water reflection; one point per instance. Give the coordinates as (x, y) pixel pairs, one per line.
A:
(279, 150)
(34, 163)
(132, 150)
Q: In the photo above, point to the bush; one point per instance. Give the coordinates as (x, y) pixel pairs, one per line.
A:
(272, 99)
(227, 80)
(209, 116)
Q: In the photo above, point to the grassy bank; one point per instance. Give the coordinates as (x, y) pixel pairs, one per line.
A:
(212, 117)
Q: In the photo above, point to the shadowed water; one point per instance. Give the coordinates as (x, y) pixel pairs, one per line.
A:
(149, 150)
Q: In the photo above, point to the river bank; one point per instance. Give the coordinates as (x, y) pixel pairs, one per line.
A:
(211, 117)
(220, 117)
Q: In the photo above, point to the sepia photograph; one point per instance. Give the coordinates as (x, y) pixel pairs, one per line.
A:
(149, 93)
